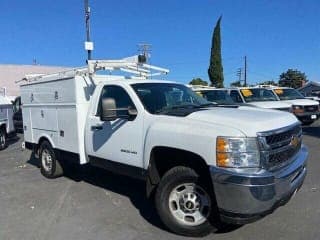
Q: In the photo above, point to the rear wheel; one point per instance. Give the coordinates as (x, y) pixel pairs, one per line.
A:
(49, 164)
(3, 139)
(184, 204)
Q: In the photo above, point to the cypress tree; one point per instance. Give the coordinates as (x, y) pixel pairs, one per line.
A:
(215, 70)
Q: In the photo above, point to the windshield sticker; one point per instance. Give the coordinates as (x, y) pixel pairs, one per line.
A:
(279, 91)
(246, 92)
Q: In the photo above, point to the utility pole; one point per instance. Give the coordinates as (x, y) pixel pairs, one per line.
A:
(88, 44)
(245, 71)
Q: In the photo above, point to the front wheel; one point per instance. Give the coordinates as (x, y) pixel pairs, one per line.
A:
(184, 204)
(3, 139)
(307, 122)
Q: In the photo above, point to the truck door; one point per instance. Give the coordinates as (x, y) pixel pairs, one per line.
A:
(119, 141)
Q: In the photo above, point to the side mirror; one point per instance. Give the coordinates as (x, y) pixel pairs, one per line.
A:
(109, 111)
(132, 113)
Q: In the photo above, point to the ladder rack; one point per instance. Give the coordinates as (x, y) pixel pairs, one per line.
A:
(194, 87)
(128, 65)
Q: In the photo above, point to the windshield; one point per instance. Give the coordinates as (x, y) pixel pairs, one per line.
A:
(288, 93)
(216, 96)
(257, 94)
(158, 97)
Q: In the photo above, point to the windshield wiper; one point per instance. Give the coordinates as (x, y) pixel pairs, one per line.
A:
(210, 104)
(176, 107)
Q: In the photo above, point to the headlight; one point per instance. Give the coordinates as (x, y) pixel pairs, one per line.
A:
(297, 109)
(237, 152)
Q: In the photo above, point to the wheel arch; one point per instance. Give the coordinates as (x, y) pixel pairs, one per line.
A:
(164, 158)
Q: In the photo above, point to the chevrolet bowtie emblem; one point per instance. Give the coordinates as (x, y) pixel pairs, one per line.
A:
(294, 141)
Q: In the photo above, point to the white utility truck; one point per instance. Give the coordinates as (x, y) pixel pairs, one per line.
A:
(258, 97)
(204, 165)
(306, 110)
(6, 121)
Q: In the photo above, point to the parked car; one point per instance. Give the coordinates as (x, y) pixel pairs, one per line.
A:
(204, 165)
(258, 97)
(306, 110)
(6, 123)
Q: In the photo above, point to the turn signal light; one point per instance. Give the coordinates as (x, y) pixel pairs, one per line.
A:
(222, 160)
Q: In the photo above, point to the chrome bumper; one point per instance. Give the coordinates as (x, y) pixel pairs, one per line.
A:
(245, 195)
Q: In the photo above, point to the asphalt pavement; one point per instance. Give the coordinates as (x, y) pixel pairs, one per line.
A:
(90, 203)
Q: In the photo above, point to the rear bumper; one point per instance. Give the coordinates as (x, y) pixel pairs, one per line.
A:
(244, 198)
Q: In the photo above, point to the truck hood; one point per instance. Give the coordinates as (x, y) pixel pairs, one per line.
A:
(301, 102)
(271, 104)
(246, 119)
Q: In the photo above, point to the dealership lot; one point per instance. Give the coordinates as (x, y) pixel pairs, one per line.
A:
(91, 203)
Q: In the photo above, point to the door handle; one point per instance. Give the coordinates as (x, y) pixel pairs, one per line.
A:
(96, 127)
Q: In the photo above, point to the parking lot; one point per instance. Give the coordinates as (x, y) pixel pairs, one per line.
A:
(90, 203)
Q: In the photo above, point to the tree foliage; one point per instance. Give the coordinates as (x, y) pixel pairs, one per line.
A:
(215, 70)
(198, 81)
(292, 78)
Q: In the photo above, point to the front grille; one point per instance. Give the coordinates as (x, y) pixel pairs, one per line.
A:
(277, 138)
(278, 147)
(278, 158)
(313, 108)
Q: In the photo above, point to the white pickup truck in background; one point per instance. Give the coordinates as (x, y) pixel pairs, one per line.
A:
(6, 118)
(204, 165)
(258, 97)
(306, 110)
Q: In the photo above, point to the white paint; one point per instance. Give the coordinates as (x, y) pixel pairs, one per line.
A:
(70, 105)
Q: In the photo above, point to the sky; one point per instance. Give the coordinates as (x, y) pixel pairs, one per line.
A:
(274, 34)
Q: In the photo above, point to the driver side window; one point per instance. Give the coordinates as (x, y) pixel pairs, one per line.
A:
(120, 96)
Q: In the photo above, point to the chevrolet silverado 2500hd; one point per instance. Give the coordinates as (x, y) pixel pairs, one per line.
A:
(204, 165)
(258, 97)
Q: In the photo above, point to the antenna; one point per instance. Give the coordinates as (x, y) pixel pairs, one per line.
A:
(88, 45)
(144, 49)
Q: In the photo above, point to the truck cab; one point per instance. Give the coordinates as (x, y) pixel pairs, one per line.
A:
(258, 97)
(306, 110)
(204, 165)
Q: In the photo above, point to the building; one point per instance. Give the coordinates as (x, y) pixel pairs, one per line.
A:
(9, 74)
(312, 88)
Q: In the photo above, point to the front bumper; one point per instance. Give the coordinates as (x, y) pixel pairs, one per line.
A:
(307, 116)
(245, 195)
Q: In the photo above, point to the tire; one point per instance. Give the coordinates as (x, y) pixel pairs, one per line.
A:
(177, 198)
(3, 139)
(50, 167)
(307, 122)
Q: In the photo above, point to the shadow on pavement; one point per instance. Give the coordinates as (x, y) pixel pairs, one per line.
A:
(134, 189)
(13, 139)
(313, 131)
